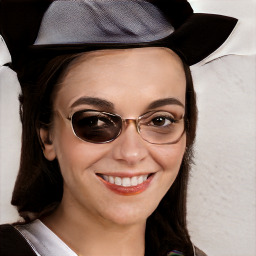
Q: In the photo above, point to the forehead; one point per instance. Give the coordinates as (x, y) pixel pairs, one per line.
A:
(142, 58)
(116, 75)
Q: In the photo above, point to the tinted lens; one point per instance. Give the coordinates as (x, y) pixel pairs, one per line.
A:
(161, 127)
(96, 127)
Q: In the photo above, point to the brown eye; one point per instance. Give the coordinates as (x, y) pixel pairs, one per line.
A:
(162, 121)
(93, 120)
(158, 119)
(96, 121)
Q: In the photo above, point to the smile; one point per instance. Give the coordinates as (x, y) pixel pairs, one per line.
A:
(126, 185)
(125, 181)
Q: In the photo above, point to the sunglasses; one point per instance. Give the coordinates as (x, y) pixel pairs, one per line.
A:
(155, 127)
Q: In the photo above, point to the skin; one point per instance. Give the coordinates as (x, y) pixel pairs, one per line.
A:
(92, 219)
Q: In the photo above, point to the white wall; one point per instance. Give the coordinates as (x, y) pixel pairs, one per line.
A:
(222, 192)
(10, 133)
(222, 202)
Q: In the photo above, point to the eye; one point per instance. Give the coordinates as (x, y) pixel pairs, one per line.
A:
(162, 121)
(158, 119)
(91, 119)
(97, 121)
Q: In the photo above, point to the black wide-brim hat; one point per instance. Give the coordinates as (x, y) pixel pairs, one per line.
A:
(36, 31)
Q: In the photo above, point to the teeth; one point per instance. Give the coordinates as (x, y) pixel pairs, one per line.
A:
(118, 181)
(134, 181)
(110, 179)
(125, 181)
(105, 177)
(140, 180)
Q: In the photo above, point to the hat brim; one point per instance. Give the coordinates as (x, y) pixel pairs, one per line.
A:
(201, 35)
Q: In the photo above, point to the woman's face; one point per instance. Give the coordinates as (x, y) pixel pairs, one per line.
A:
(126, 82)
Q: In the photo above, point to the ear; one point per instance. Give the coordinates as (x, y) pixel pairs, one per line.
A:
(47, 145)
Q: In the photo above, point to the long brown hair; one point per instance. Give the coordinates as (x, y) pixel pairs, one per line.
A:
(39, 185)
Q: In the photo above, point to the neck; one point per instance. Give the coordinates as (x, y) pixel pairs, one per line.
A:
(90, 236)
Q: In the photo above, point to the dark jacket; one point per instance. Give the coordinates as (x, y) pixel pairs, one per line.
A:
(12, 243)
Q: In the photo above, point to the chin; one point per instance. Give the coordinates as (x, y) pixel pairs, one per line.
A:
(128, 215)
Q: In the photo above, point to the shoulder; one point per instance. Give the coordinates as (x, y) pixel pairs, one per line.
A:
(13, 243)
(198, 252)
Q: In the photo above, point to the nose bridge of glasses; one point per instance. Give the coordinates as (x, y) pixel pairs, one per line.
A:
(129, 121)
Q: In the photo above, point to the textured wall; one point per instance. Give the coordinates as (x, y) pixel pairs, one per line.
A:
(222, 192)
(10, 134)
(221, 202)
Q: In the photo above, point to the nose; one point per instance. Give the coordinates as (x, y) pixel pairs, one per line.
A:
(129, 147)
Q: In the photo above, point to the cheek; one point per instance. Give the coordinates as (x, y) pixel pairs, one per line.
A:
(73, 154)
(170, 156)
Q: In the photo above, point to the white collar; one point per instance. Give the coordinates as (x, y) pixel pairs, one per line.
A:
(43, 241)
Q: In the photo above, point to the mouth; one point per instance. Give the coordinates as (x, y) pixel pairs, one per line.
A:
(126, 185)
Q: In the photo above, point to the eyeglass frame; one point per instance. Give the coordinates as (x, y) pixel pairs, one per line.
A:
(127, 121)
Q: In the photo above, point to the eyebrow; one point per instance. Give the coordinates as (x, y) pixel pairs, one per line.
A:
(109, 106)
(166, 101)
(96, 102)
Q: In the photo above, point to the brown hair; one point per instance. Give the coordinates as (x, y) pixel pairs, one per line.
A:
(38, 188)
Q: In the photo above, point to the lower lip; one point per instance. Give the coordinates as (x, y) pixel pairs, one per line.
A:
(128, 191)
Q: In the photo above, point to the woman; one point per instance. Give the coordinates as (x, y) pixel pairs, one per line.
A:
(108, 128)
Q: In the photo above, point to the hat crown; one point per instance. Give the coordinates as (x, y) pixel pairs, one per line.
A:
(102, 21)
(195, 36)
